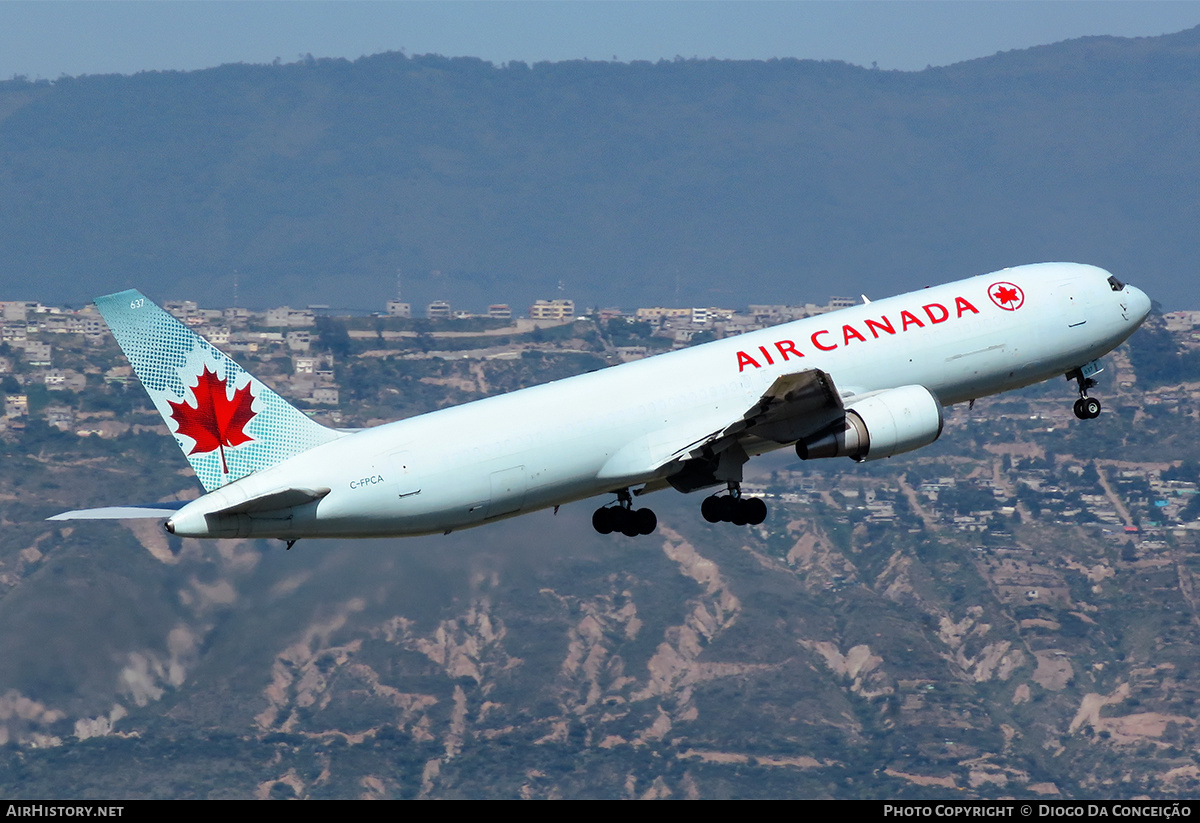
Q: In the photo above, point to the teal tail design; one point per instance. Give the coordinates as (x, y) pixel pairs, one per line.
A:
(228, 423)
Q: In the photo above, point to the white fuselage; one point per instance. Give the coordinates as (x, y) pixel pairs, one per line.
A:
(615, 428)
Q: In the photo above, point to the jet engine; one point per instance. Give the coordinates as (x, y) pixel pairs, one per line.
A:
(878, 425)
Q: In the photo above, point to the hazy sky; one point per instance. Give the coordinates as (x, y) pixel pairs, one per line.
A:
(48, 39)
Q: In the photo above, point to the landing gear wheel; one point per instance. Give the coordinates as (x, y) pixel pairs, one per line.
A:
(740, 511)
(725, 507)
(1087, 408)
(646, 521)
(627, 521)
(756, 510)
(602, 520)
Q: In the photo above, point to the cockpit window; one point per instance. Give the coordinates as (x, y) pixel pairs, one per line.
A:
(1115, 284)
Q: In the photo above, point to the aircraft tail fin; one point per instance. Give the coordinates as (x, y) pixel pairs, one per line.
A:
(228, 423)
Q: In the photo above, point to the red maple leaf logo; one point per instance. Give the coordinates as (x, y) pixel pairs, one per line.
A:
(1007, 296)
(215, 421)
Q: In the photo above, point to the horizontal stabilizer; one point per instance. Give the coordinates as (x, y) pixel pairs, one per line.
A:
(145, 511)
(273, 501)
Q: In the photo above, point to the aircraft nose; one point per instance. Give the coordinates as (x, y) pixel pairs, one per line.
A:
(1139, 303)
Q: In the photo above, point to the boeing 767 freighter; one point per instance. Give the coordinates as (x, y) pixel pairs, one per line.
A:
(865, 382)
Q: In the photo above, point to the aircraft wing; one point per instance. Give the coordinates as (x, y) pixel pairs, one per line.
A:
(796, 405)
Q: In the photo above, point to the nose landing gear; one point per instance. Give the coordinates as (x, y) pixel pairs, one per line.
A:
(1086, 408)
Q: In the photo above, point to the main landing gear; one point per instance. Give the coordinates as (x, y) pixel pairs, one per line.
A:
(1086, 408)
(727, 508)
(624, 518)
(733, 508)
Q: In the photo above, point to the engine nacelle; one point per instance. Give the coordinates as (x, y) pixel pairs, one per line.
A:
(879, 425)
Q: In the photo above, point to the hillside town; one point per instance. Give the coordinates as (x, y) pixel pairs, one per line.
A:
(59, 366)
(42, 344)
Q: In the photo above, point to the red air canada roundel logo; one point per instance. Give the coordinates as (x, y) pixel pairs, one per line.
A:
(216, 421)
(1007, 296)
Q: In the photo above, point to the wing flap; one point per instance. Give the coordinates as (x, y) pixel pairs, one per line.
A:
(796, 405)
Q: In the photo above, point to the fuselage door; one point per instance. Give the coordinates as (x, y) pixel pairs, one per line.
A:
(1071, 296)
(408, 481)
(507, 491)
